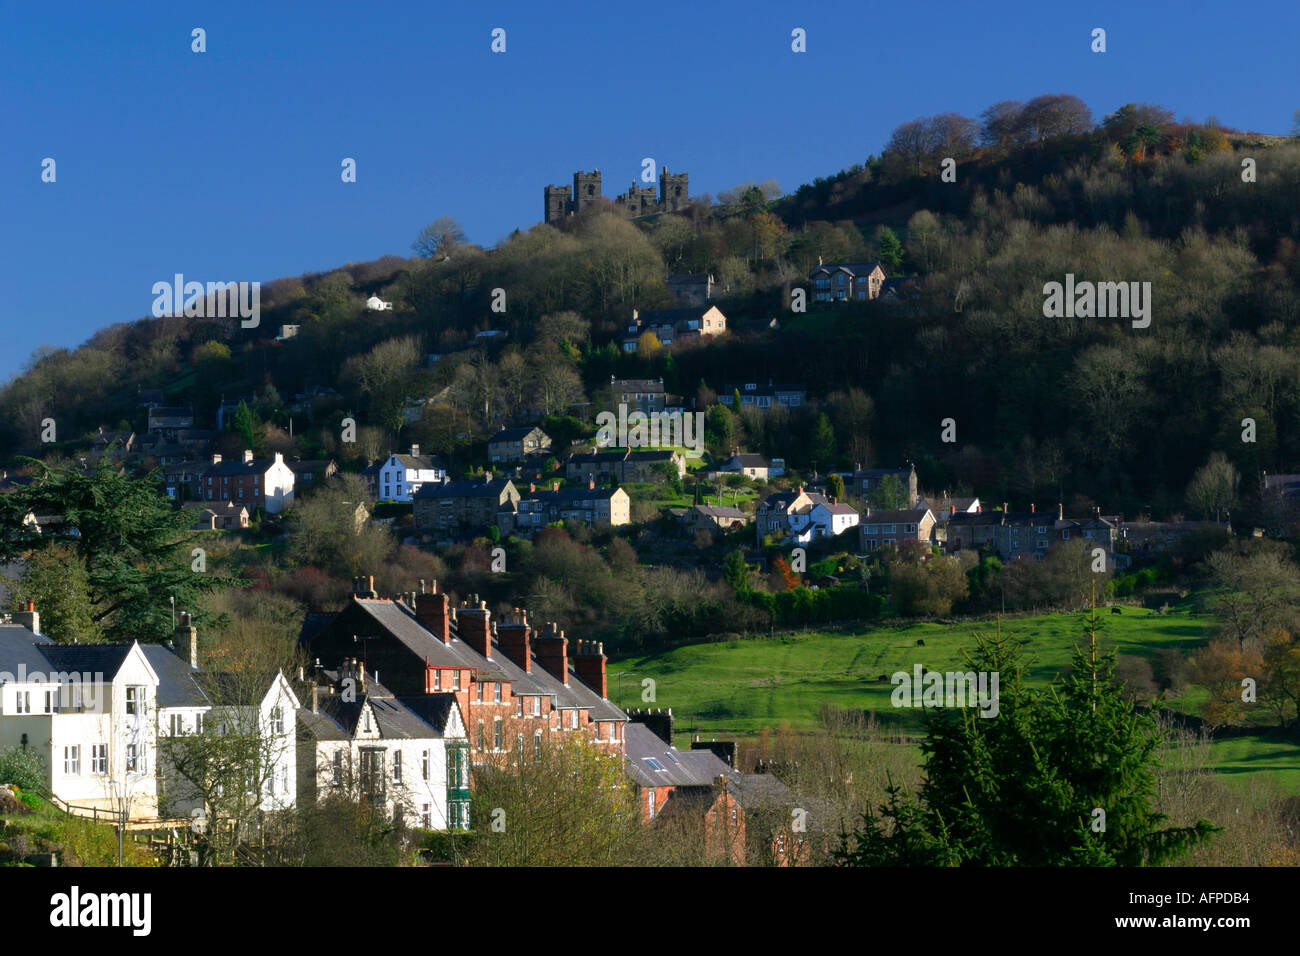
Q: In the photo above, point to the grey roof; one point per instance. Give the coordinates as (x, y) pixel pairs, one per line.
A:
(746, 460)
(759, 790)
(514, 434)
(670, 316)
(398, 621)
(434, 709)
(852, 268)
(896, 516)
(653, 763)
(463, 489)
(393, 719)
(416, 462)
(257, 466)
(717, 511)
(103, 659)
(177, 686)
(20, 646)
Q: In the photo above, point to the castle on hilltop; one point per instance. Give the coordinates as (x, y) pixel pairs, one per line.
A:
(673, 194)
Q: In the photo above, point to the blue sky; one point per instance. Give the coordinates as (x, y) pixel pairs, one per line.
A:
(225, 165)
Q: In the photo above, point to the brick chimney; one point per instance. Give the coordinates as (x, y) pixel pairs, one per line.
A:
(434, 612)
(591, 484)
(514, 639)
(589, 663)
(474, 624)
(552, 650)
(185, 640)
(29, 618)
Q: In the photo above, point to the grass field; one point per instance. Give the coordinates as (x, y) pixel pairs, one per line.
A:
(741, 688)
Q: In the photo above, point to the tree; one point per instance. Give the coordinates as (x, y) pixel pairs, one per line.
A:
(56, 581)
(243, 424)
(568, 804)
(1022, 789)
(835, 487)
(329, 532)
(133, 547)
(439, 238)
(822, 447)
(890, 494)
(1212, 490)
(736, 572)
(1254, 591)
(648, 345)
(889, 249)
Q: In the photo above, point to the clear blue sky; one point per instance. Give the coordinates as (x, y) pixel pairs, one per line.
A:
(225, 165)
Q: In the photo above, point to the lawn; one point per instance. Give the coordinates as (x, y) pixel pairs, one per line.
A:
(742, 687)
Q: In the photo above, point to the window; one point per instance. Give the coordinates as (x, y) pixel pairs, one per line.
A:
(338, 768)
(368, 727)
(1042, 529)
(135, 700)
(911, 528)
(519, 746)
(496, 692)
(277, 720)
(890, 529)
(372, 771)
(519, 706)
(424, 765)
(537, 744)
(455, 680)
(537, 707)
(481, 743)
(198, 723)
(72, 760)
(23, 699)
(284, 779)
(426, 816)
(397, 766)
(178, 725)
(873, 529)
(734, 815)
(573, 720)
(654, 764)
(650, 803)
(133, 762)
(99, 758)
(780, 843)
(496, 733)
(479, 691)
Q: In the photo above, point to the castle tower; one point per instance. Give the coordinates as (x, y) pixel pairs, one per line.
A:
(559, 201)
(586, 189)
(674, 190)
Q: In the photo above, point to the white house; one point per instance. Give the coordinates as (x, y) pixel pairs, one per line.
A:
(87, 710)
(410, 756)
(825, 520)
(376, 304)
(401, 476)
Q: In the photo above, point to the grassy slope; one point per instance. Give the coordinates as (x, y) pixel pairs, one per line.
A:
(737, 689)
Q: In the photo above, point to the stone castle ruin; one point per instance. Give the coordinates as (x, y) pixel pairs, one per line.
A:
(673, 194)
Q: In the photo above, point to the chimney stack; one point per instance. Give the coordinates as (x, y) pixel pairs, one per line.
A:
(248, 456)
(514, 639)
(1060, 511)
(30, 618)
(475, 627)
(185, 640)
(552, 650)
(415, 451)
(315, 697)
(433, 611)
(589, 663)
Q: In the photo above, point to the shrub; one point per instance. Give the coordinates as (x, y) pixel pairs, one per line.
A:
(21, 767)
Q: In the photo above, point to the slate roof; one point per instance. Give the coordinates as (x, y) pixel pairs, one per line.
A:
(434, 709)
(177, 686)
(746, 460)
(672, 316)
(393, 719)
(19, 645)
(462, 489)
(513, 434)
(257, 466)
(106, 659)
(852, 268)
(896, 516)
(653, 763)
(717, 511)
(416, 462)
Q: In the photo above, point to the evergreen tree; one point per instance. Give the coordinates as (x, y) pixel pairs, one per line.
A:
(244, 424)
(1023, 788)
(131, 545)
(822, 447)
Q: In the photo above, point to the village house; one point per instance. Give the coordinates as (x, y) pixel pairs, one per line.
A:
(222, 516)
(452, 507)
(258, 483)
(518, 444)
(889, 528)
(1155, 537)
(402, 476)
(312, 472)
(627, 467)
(638, 394)
(517, 688)
(693, 289)
(712, 518)
(749, 465)
(803, 515)
(673, 326)
(945, 505)
(167, 421)
(846, 281)
(590, 506)
(1015, 535)
(357, 739)
(866, 483)
(763, 397)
